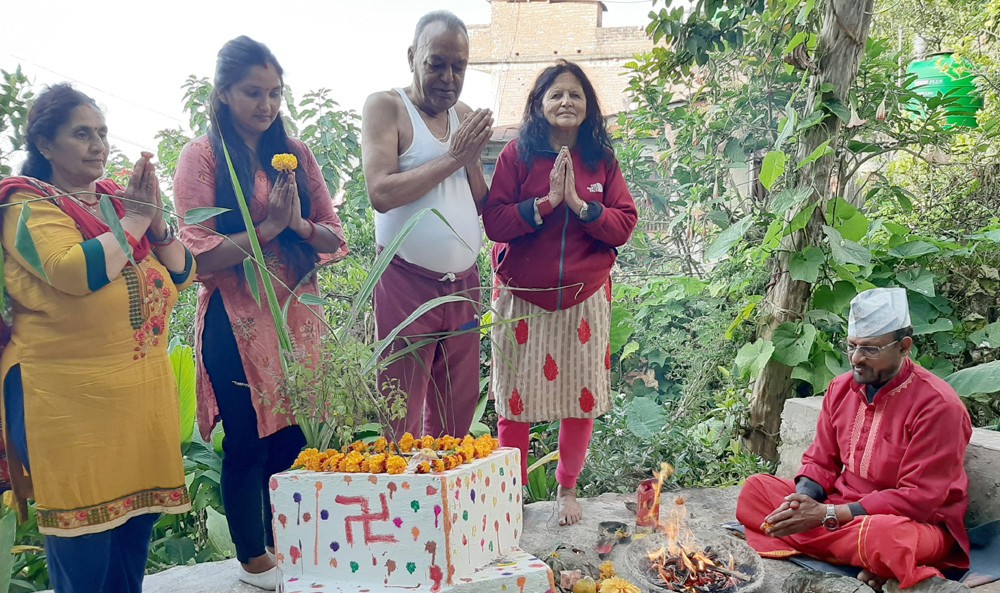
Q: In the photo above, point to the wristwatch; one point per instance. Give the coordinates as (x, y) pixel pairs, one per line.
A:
(830, 521)
(167, 240)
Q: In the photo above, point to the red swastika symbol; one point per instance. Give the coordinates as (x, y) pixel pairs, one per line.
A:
(367, 518)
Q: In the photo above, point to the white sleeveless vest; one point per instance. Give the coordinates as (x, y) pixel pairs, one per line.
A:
(431, 244)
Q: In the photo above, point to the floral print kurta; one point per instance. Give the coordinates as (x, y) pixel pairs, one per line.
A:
(256, 336)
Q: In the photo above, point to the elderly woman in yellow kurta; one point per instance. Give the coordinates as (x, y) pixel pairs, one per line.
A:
(91, 417)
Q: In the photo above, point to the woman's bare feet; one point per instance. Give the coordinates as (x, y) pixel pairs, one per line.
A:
(570, 511)
(871, 580)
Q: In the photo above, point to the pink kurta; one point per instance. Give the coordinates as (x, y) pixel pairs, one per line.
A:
(253, 328)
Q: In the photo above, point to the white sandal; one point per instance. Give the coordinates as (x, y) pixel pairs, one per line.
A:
(267, 580)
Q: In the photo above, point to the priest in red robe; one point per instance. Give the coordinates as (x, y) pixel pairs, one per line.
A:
(883, 485)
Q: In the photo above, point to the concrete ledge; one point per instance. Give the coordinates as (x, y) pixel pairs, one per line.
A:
(982, 460)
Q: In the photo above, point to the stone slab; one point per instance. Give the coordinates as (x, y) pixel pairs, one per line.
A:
(982, 459)
(707, 509)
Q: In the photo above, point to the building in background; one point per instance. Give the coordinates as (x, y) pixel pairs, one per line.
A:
(525, 36)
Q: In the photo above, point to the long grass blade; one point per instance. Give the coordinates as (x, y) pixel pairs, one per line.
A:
(417, 313)
(284, 341)
(381, 263)
(111, 218)
(250, 271)
(199, 215)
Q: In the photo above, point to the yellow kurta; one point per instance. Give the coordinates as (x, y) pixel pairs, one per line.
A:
(100, 401)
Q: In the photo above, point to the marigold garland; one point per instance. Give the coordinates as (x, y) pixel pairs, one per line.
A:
(381, 456)
(285, 162)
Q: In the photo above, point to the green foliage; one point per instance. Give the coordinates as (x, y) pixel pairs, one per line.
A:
(908, 201)
(183, 364)
(679, 402)
(15, 95)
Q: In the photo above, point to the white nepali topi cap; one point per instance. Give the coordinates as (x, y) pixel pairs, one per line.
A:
(877, 312)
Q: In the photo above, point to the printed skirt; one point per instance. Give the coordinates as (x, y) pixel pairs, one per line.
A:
(549, 365)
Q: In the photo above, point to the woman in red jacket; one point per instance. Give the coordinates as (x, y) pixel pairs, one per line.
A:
(558, 209)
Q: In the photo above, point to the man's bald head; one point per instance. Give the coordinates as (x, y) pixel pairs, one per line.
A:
(450, 21)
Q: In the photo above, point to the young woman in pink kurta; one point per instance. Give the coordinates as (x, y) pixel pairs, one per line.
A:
(239, 364)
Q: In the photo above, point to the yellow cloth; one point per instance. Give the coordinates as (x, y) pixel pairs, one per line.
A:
(100, 401)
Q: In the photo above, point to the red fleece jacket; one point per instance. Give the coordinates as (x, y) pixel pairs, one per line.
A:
(565, 259)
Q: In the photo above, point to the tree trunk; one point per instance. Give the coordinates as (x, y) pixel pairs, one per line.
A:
(841, 46)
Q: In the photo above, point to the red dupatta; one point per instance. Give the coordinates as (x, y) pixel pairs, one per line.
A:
(90, 226)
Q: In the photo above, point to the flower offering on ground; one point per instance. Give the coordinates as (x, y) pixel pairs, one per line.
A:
(285, 162)
(430, 455)
(618, 585)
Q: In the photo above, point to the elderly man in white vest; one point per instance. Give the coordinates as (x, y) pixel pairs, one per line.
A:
(421, 149)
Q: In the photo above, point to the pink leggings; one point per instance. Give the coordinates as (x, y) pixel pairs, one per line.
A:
(574, 440)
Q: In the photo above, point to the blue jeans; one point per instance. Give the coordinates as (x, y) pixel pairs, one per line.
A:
(248, 461)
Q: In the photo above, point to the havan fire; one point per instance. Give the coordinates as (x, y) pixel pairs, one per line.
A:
(680, 564)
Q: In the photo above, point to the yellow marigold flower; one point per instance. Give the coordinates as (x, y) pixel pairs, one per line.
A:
(381, 445)
(406, 443)
(439, 465)
(607, 570)
(376, 463)
(303, 458)
(331, 462)
(424, 467)
(358, 446)
(484, 446)
(351, 462)
(427, 442)
(618, 585)
(285, 162)
(395, 464)
(468, 452)
(453, 461)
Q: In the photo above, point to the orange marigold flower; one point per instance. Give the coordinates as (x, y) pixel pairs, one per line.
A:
(395, 464)
(380, 445)
(427, 442)
(359, 446)
(406, 443)
(285, 162)
(439, 465)
(424, 467)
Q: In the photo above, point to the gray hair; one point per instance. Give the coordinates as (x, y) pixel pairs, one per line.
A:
(451, 22)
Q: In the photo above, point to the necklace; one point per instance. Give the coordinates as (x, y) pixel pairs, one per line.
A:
(93, 208)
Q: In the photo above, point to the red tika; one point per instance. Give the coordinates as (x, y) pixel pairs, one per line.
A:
(901, 457)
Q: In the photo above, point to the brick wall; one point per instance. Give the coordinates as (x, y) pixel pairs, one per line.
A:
(525, 37)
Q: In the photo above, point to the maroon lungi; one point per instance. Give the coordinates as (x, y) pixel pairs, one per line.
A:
(441, 379)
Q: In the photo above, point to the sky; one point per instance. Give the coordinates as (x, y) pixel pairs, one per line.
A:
(133, 57)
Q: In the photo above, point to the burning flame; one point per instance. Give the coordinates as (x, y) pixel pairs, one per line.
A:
(676, 555)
